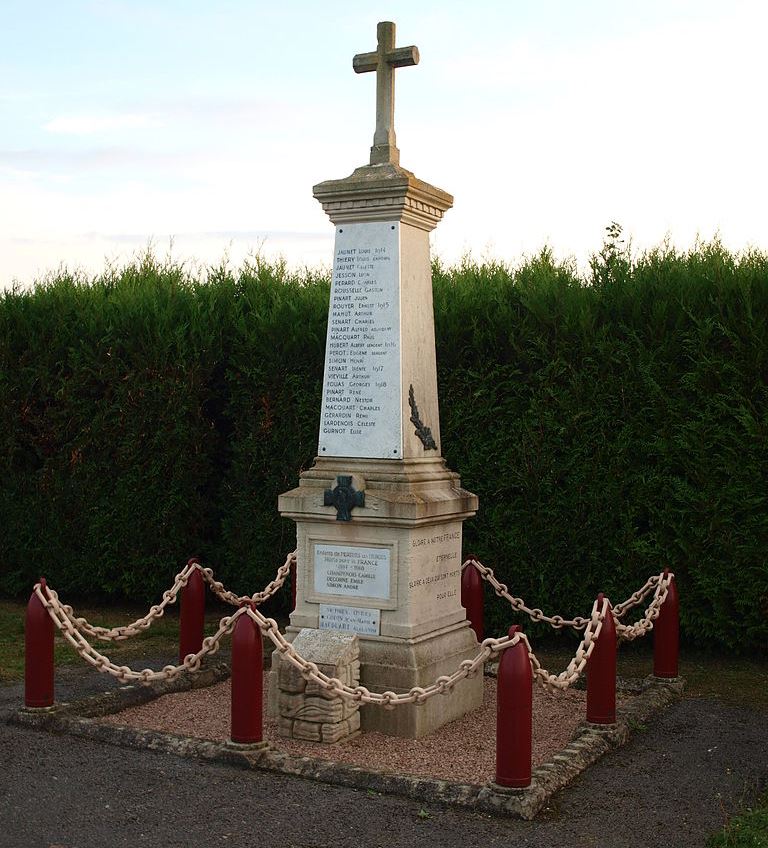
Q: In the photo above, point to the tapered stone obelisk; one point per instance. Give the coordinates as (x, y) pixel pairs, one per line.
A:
(379, 515)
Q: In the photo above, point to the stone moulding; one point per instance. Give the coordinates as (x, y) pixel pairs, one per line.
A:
(404, 493)
(383, 193)
(590, 742)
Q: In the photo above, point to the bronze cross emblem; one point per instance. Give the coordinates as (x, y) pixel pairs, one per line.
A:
(344, 498)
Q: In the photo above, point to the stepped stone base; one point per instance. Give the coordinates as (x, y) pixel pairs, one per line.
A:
(398, 665)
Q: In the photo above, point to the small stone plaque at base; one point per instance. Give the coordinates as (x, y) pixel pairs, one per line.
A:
(366, 622)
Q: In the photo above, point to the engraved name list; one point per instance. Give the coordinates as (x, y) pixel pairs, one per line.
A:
(360, 414)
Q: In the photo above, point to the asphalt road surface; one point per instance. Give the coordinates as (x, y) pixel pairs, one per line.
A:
(674, 784)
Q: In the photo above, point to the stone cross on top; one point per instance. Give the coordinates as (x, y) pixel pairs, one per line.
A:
(384, 61)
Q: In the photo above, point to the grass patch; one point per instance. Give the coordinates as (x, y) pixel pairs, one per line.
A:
(162, 638)
(738, 680)
(747, 830)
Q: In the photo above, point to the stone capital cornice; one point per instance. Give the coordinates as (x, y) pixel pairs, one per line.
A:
(383, 193)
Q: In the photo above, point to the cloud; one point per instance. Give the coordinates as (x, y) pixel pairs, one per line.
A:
(221, 235)
(20, 174)
(91, 158)
(91, 124)
(246, 111)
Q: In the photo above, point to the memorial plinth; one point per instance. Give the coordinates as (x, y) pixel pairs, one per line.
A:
(379, 515)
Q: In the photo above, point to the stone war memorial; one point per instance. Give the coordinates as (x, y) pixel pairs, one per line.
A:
(379, 516)
(379, 638)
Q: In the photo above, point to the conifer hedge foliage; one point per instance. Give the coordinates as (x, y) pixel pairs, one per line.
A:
(611, 425)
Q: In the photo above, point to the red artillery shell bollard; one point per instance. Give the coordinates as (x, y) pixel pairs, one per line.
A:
(514, 716)
(192, 624)
(601, 672)
(38, 653)
(472, 597)
(666, 635)
(247, 682)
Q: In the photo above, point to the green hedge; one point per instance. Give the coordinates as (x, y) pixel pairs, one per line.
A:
(611, 424)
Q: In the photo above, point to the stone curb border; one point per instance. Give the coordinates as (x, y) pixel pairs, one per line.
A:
(590, 742)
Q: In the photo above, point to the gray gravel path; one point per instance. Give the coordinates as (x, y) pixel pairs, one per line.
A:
(672, 785)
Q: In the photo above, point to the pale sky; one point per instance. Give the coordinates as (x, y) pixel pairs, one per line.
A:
(206, 124)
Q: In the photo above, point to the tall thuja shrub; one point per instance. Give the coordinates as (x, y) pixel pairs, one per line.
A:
(611, 425)
(107, 447)
(274, 388)
(510, 397)
(614, 426)
(712, 439)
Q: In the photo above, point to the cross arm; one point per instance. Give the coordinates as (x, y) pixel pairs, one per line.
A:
(364, 62)
(401, 57)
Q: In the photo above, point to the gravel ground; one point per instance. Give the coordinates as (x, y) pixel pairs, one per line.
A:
(463, 751)
(673, 784)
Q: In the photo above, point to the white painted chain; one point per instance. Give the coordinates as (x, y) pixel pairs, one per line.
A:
(257, 597)
(117, 634)
(77, 640)
(576, 666)
(636, 598)
(72, 629)
(659, 584)
(502, 590)
(417, 695)
(628, 632)
(444, 684)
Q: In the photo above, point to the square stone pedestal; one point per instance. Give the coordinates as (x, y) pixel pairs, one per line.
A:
(392, 575)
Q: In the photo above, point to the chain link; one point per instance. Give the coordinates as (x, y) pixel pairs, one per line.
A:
(628, 632)
(73, 630)
(69, 630)
(309, 670)
(117, 634)
(658, 584)
(257, 597)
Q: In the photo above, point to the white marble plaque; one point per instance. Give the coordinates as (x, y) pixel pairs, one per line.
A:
(351, 570)
(361, 411)
(350, 619)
